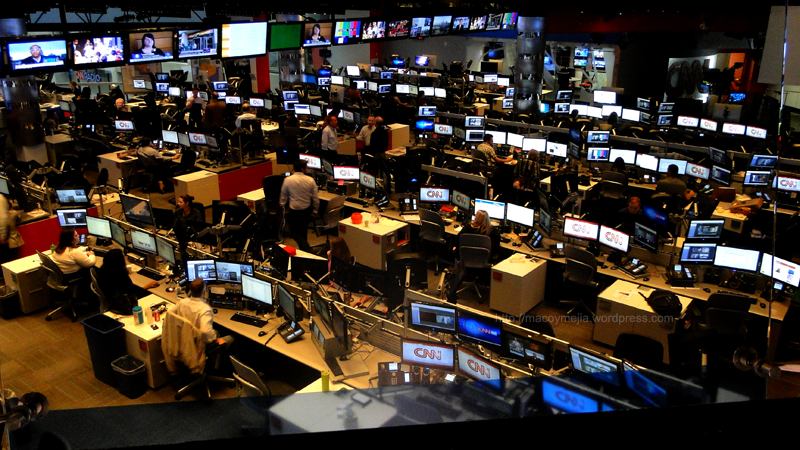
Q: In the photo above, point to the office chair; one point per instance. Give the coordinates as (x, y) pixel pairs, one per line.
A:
(186, 165)
(55, 281)
(271, 185)
(176, 329)
(247, 380)
(272, 220)
(475, 251)
(581, 268)
(640, 350)
(432, 230)
(329, 222)
(97, 291)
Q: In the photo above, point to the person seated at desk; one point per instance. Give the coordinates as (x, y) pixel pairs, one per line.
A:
(671, 184)
(51, 123)
(330, 140)
(340, 250)
(617, 173)
(184, 211)
(115, 283)
(195, 309)
(482, 224)
(291, 120)
(154, 161)
(120, 111)
(76, 91)
(422, 100)
(247, 114)
(70, 258)
(485, 152)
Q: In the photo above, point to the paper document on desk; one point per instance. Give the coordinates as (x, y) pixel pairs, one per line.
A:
(411, 217)
(463, 159)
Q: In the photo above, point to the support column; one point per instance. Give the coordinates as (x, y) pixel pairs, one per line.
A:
(22, 114)
(531, 38)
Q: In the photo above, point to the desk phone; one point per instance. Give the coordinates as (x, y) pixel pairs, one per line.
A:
(557, 251)
(634, 267)
(290, 331)
(681, 276)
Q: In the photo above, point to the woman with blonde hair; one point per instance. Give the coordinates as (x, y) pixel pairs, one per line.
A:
(482, 224)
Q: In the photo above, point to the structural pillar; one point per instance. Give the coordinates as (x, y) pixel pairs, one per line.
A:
(531, 38)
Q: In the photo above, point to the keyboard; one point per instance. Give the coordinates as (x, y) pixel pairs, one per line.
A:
(99, 251)
(358, 201)
(385, 341)
(753, 300)
(333, 364)
(248, 319)
(152, 274)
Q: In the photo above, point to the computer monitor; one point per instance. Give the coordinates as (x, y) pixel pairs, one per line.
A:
(605, 97)
(427, 111)
(474, 136)
(664, 163)
(124, 126)
(721, 175)
(165, 250)
(170, 137)
(443, 129)
(529, 346)
(144, 242)
(4, 189)
(341, 332)
(642, 386)
(313, 162)
(98, 227)
(557, 149)
(599, 366)
(232, 271)
(580, 229)
(733, 128)
(197, 139)
(118, 234)
(645, 237)
(756, 178)
(424, 125)
(495, 210)
(647, 162)
(782, 270)
(428, 354)
(345, 173)
(201, 268)
(717, 155)
(405, 89)
(763, 161)
(564, 95)
(545, 221)
(562, 108)
(480, 329)
(162, 87)
(536, 144)
(737, 258)
(233, 100)
(427, 317)
(71, 217)
(256, 289)
(633, 115)
(597, 154)
(614, 239)
(698, 253)
(478, 368)
(473, 122)
(688, 121)
(461, 200)
(499, 137)
(432, 194)
(755, 132)
(607, 110)
(705, 229)
(136, 210)
(514, 139)
(580, 107)
(440, 93)
(67, 196)
(368, 181)
(301, 109)
(174, 91)
(286, 302)
(708, 125)
(598, 137)
(697, 171)
(664, 120)
(520, 215)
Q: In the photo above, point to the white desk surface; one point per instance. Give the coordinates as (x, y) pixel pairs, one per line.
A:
(628, 294)
(144, 331)
(58, 138)
(194, 176)
(113, 157)
(581, 187)
(385, 227)
(518, 265)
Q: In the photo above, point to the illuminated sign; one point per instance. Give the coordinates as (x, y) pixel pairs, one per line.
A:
(733, 128)
(694, 170)
(580, 229)
(755, 132)
(613, 238)
(345, 173)
(428, 354)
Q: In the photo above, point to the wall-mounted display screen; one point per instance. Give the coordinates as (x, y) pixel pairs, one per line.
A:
(97, 50)
(317, 34)
(285, 36)
(244, 39)
(50, 54)
(198, 43)
(150, 46)
(347, 32)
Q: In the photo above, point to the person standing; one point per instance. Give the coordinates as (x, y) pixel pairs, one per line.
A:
(300, 199)
(330, 140)
(365, 132)
(379, 143)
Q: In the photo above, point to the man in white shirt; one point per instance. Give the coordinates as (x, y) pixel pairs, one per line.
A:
(300, 198)
(366, 131)
(247, 114)
(330, 140)
(195, 309)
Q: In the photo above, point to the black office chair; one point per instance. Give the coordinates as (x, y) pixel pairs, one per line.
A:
(329, 222)
(640, 350)
(97, 291)
(581, 268)
(271, 186)
(56, 282)
(186, 164)
(432, 231)
(475, 252)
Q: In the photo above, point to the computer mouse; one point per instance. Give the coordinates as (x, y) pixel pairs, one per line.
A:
(170, 289)
(707, 289)
(604, 266)
(261, 333)
(646, 279)
(215, 310)
(763, 305)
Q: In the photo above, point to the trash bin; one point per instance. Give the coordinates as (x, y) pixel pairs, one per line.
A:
(130, 375)
(9, 303)
(106, 340)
